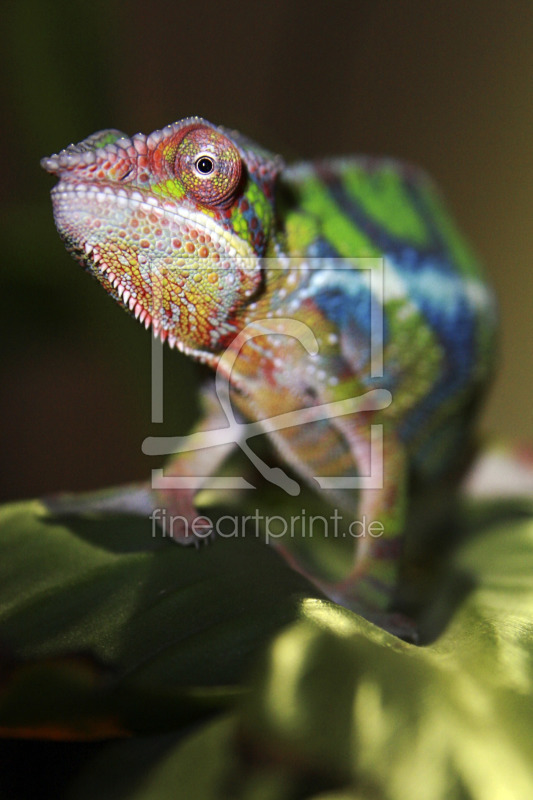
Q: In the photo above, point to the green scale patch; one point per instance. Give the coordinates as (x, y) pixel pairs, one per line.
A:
(383, 196)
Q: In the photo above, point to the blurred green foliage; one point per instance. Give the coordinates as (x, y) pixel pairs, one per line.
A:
(107, 632)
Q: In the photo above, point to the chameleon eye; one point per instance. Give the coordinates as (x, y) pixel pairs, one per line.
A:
(209, 165)
(204, 165)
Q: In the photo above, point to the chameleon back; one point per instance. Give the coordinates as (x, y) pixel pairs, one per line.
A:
(439, 316)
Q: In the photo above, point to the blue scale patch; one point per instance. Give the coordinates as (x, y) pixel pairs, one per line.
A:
(439, 294)
(342, 294)
(434, 286)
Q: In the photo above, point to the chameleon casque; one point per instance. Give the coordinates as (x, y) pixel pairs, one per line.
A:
(202, 235)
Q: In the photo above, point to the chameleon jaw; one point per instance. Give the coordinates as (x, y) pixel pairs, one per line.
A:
(129, 301)
(171, 267)
(124, 295)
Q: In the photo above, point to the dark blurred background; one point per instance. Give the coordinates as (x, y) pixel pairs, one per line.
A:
(445, 84)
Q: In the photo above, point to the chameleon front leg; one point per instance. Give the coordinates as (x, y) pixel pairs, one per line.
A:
(171, 509)
(188, 472)
(344, 451)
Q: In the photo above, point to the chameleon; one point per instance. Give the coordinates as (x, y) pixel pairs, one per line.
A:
(274, 276)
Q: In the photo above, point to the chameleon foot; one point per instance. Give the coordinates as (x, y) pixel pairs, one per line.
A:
(179, 519)
(173, 512)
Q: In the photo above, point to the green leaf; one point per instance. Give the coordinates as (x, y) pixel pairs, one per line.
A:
(208, 764)
(339, 709)
(105, 628)
(454, 719)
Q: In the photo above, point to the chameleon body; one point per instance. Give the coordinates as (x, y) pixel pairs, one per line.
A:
(203, 235)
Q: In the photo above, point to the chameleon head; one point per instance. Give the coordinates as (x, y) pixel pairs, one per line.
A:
(173, 224)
